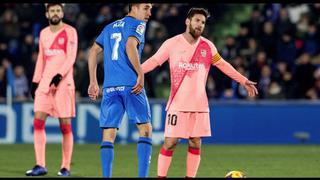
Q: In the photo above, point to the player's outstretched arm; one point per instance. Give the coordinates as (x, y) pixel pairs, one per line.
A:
(227, 68)
(157, 59)
(149, 65)
(93, 89)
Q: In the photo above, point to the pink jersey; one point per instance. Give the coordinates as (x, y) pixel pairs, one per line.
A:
(189, 68)
(57, 54)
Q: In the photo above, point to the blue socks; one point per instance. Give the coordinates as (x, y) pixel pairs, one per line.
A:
(106, 156)
(144, 151)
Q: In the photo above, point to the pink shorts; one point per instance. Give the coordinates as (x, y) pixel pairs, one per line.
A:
(59, 105)
(187, 124)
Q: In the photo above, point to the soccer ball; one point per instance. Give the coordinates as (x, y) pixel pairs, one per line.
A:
(235, 174)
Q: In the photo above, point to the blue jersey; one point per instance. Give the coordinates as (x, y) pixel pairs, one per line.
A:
(118, 70)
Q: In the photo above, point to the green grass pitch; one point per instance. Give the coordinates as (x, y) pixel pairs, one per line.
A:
(216, 160)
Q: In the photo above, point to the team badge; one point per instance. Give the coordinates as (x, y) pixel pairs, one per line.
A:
(61, 41)
(203, 53)
(140, 29)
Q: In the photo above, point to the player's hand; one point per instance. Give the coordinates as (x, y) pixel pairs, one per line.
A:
(93, 91)
(34, 87)
(250, 87)
(56, 80)
(136, 89)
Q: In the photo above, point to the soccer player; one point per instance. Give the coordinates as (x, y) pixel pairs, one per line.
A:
(122, 42)
(53, 88)
(190, 57)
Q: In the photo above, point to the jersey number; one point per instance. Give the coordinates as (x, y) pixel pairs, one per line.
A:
(117, 38)
(172, 119)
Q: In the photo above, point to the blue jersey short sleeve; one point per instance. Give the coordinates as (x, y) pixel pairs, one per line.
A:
(137, 30)
(100, 38)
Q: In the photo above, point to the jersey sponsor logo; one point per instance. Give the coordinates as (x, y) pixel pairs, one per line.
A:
(191, 66)
(112, 89)
(53, 52)
(140, 29)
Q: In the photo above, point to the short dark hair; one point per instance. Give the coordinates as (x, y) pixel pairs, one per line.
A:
(196, 10)
(131, 4)
(48, 5)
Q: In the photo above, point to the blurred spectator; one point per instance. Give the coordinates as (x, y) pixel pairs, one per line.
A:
(71, 11)
(314, 92)
(254, 24)
(10, 30)
(275, 91)
(315, 12)
(251, 51)
(311, 40)
(264, 82)
(303, 24)
(81, 74)
(286, 49)
(283, 76)
(23, 57)
(271, 11)
(20, 83)
(229, 51)
(150, 84)
(243, 37)
(105, 14)
(303, 76)
(257, 65)
(268, 39)
(284, 24)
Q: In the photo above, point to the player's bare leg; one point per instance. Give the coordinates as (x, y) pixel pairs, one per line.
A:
(39, 145)
(193, 157)
(144, 149)
(67, 146)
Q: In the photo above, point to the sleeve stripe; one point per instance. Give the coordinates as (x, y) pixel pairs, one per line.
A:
(215, 58)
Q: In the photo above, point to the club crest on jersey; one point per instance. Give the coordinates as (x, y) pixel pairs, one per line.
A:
(203, 53)
(61, 41)
(140, 29)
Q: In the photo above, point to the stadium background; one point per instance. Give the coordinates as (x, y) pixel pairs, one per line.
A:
(276, 45)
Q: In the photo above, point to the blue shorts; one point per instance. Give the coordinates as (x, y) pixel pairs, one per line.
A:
(118, 100)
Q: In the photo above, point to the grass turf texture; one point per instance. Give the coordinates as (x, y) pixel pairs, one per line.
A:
(216, 161)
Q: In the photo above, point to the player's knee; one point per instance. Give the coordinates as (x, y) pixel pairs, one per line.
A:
(66, 128)
(145, 130)
(109, 135)
(170, 145)
(38, 124)
(195, 142)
